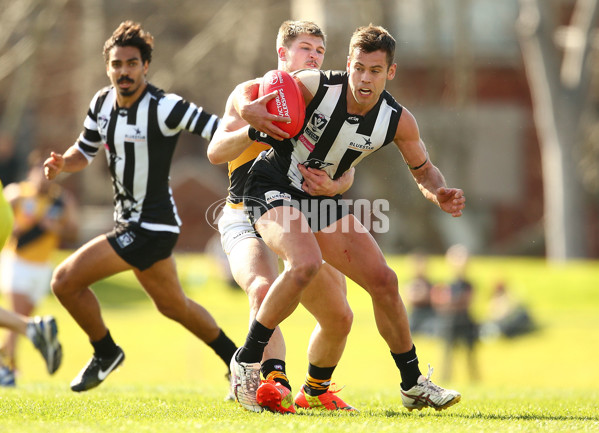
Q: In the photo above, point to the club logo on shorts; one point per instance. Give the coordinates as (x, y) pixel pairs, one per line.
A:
(125, 239)
(271, 196)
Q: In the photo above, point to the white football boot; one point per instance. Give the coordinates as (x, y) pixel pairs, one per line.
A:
(245, 380)
(426, 394)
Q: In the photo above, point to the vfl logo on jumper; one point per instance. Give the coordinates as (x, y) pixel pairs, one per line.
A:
(316, 163)
(102, 125)
(271, 196)
(318, 121)
(134, 134)
(125, 239)
(317, 124)
(367, 145)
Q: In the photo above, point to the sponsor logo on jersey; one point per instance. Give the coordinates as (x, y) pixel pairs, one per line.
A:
(274, 195)
(134, 134)
(307, 143)
(367, 145)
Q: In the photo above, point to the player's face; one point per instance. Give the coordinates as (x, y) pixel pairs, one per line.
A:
(368, 74)
(305, 52)
(127, 72)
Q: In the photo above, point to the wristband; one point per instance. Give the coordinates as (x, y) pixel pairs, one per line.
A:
(253, 133)
(421, 165)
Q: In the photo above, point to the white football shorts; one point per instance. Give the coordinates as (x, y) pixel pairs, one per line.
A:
(234, 225)
(24, 277)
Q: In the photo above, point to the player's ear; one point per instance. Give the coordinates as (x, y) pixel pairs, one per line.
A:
(391, 71)
(348, 63)
(282, 53)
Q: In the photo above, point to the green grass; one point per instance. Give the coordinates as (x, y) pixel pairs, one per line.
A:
(170, 382)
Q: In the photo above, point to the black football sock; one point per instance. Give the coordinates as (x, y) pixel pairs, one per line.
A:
(105, 347)
(318, 379)
(224, 347)
(274, 369)
(408, 367)
(256, 341)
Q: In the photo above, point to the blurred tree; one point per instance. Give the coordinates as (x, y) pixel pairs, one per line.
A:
(556, 61)
(23, 26)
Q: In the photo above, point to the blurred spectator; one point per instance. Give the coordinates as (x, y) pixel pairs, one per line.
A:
(44, 216)
(423, 317)
(507, 316)
(9, 164)
(452, 302)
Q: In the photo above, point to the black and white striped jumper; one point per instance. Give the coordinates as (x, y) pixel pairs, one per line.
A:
(139, 143)
(332, 139)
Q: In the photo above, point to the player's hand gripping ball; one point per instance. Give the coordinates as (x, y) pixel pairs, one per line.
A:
(289, 101)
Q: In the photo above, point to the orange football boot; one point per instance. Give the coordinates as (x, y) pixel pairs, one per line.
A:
(326, 401)
(275, 397)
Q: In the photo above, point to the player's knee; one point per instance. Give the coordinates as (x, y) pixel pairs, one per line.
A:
(344, 321)
(174, 308)
(59, 282)
(337, 322)
(304, 271)
(384, 284)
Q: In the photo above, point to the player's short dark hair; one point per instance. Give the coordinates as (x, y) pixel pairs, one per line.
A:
(369, 39)
(130, 34)
(291, 29)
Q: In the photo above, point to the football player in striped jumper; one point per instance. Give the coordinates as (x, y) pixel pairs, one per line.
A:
(349, 115)
(300, 45)
(138, 126)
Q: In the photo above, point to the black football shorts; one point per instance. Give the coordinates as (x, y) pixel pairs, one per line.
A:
(139, 247)
(267, 189)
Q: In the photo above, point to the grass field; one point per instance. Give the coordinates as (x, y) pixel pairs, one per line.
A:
(547, 381)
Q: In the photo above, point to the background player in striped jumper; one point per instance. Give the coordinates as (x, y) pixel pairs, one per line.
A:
(138, 125)
(41, 331)
(349, 116)
(300, 45)
(45, 215)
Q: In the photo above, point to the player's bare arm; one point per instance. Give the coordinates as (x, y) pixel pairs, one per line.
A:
(231, 137)
(429, 179)
(72, 161)
(318, 182)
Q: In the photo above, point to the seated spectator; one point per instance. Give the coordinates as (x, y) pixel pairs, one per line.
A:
(508, 317)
